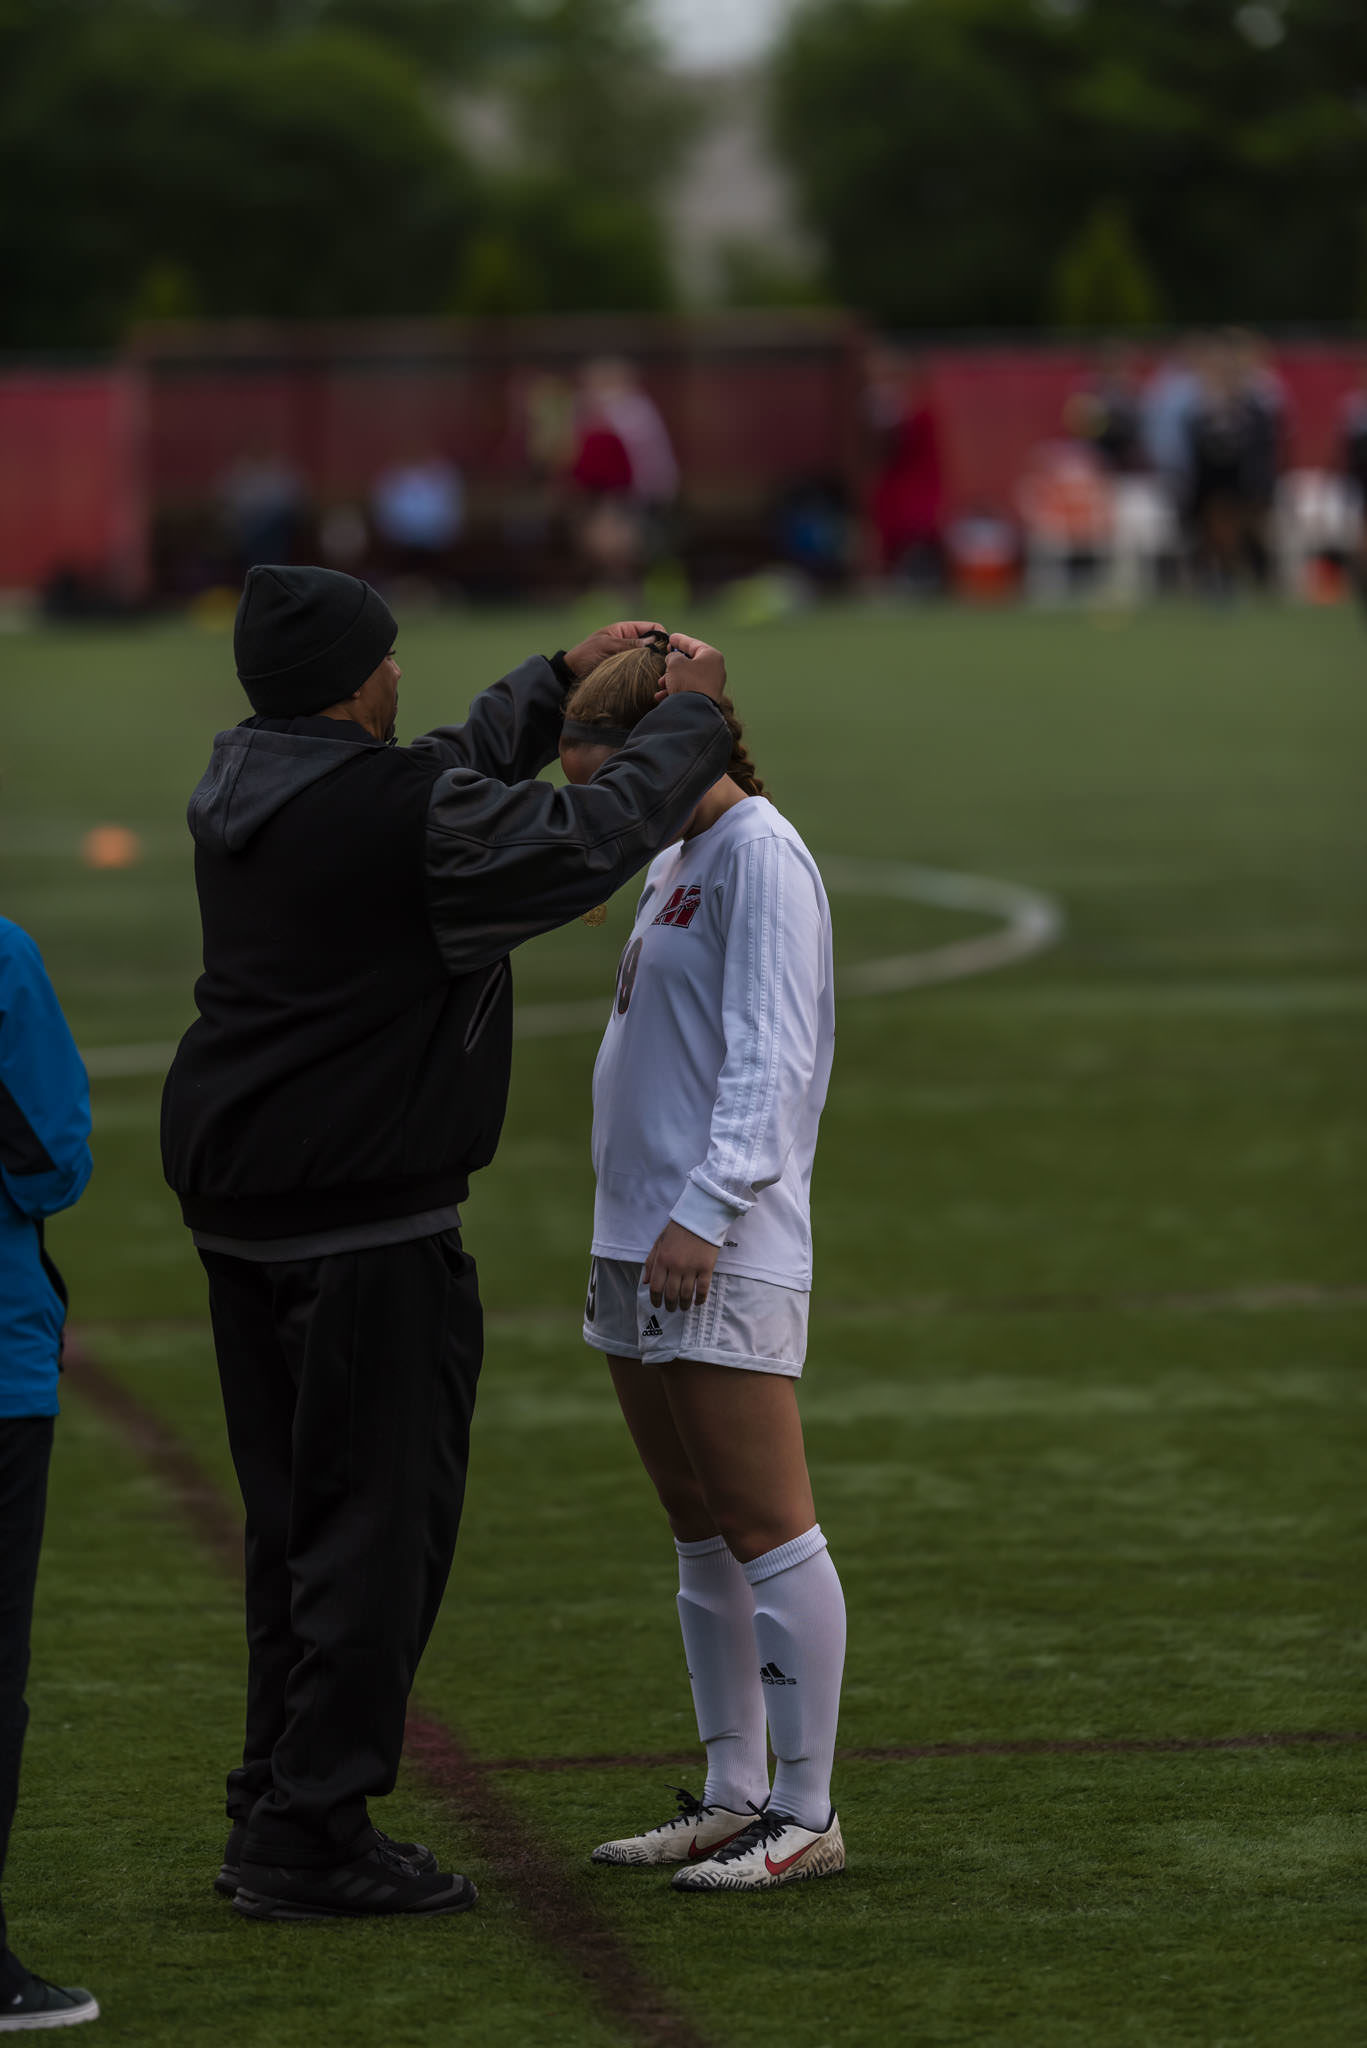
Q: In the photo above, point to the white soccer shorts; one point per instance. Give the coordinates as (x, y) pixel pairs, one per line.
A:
(753, 1324)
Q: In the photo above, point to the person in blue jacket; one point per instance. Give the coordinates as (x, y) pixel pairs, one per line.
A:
(44, 1165)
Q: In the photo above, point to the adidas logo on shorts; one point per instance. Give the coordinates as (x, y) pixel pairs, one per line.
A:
(652, 1329)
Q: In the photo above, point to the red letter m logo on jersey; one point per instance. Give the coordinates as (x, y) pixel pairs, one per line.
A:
(681, 908)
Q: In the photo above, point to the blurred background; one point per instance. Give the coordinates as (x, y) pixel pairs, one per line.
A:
(514, 299)
(989, 379)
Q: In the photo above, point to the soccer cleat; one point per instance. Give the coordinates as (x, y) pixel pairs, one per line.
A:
(230, 1870)
(35, 2004)
(695, 1831)
(383, 1880)
(772, 1850)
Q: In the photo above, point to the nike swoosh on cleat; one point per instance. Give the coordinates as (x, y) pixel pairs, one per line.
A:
(777, 1869)
(697, 1855)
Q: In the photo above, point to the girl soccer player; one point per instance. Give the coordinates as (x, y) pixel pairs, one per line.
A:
(706, 1096)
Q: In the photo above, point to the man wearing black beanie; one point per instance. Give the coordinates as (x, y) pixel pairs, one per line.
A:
(346, 1073)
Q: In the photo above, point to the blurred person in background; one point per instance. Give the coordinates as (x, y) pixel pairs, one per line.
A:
(263, 505)
(347, 1072)
(1234, 436)
(544, 406)
(1264, 396)
(812, 528)
(44, 1166)
(1167, 402)
(607, 532)
(1108, 412)
(538, 450)
(623, 469)
(612, 391)
(1066, 505)
(1353, 461)
(417, 510)
(906, 502)
(1107, 416)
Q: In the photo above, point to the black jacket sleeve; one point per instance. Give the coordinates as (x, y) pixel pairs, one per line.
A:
(512, 729)
(506, 863)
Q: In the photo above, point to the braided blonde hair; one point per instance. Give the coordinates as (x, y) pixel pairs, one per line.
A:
(619, 692)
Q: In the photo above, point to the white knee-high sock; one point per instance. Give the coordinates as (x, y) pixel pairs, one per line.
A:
(716, 1615)
(800, 1635)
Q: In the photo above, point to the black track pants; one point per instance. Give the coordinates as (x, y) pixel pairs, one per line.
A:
(25, 1451)
(348, 1384)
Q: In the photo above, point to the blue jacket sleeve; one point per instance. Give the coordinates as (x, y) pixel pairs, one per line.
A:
(44, 1095)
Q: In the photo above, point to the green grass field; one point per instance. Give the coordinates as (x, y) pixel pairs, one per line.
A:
(1084, 1396)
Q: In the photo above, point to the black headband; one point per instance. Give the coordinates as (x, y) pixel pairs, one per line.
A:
(576, 731)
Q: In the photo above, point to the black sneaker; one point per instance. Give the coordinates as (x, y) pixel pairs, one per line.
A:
(230, 1871)
(36, 2003)
(383, 1880)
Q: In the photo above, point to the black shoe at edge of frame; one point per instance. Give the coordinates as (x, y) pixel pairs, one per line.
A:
(230, 1871)
(381, 1881)
(35, 2005)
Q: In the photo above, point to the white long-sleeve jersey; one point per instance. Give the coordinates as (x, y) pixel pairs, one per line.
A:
(712, 1073)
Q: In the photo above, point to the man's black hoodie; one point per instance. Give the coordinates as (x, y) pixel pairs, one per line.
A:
(350, 1060)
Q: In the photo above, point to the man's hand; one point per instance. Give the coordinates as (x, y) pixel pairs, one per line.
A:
(693, 665)
(678, 1271)
(608, 640)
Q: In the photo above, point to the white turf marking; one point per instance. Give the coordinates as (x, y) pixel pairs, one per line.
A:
(1030, 922)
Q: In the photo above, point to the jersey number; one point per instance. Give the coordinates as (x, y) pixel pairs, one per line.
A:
(626, 975)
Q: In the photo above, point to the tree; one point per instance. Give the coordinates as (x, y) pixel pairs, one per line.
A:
(1101, 280)
(141, 158)
(301, 159)
(592, 130)
(547, 246)
(950, 154)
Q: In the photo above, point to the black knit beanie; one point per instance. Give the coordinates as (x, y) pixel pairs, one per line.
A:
(307, 638)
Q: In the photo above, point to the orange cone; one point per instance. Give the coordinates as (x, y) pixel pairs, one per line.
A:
(111, 846)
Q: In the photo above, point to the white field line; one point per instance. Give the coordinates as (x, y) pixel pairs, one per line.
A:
(1030, 922)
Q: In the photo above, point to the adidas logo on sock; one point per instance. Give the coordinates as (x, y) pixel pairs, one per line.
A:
(771, 1675)
(652, 1328)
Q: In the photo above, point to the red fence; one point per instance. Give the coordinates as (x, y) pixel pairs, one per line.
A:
(72, 449)
(749, 400)
(753, 403)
